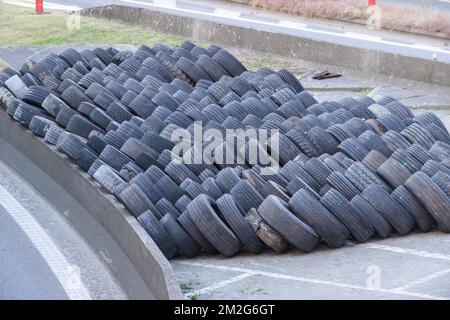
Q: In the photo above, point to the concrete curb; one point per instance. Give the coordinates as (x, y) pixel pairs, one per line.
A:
(323, 52)
(21, 146)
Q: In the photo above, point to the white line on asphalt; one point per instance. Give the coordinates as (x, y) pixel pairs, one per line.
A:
(47, 5)
(311, 280)
(422, 281)
(227, 13)
(308, 33)
(220, 284)
(66, 273)
(418, 253)
(166, 3)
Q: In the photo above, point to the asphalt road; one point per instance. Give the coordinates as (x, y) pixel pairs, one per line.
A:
(441, 5)
(42, 256)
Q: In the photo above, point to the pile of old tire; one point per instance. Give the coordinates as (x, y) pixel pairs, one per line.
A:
(349, 169)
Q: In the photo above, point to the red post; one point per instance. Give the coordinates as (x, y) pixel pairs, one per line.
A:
(372, 2)
(39, 6)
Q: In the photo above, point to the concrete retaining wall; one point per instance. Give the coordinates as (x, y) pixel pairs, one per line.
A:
(133, 257)
(288, 45)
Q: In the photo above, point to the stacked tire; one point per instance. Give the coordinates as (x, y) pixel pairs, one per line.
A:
(353, 169)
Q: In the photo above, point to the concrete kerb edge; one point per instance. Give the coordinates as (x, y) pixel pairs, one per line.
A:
(115, 219)
(286, 45)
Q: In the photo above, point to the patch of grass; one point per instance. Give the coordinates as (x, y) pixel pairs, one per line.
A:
(186, 287)
(255, 60)
(3, 64)
(20, 26)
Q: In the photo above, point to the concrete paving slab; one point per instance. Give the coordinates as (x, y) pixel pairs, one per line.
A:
(395, 268)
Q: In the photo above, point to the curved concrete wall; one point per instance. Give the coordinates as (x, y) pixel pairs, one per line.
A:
(131, 254)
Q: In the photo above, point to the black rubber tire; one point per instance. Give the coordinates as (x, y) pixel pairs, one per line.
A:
(374, 159)
(229, 62)
(235, 220)
(406, 159)
(423, 219)
(135, 200)
(417, 134)
(159, 235)
(169, 189)
(353, 149)
(338, 181)
(381, 226)
(186, 244)
(53, 134)
(393, 173)
(340, 133)
(114, 157)
(210, 66)
(362, 177)
(179, 172)
(432, 198)
(192, 188)
(202, 211)
(304, 142)
(373, 141)
(40, 125)
(290, 79)
(246, 196)
(358, 226)
(438, 133)
(186, 222)
(165, 206)
(156, 142)
(443, 182)
(211, 188)
(325, 140)
(107, 178)
(309, 209)
(182, 203)
(81, 126)
(400, 219)
(431, 167)
(70, 144)
(266, 233)
(74, 96)
(205, 174)
(318, 170)
(440, 151)
(226, 179)
(430, 118)
(85, 159)
(272, 188)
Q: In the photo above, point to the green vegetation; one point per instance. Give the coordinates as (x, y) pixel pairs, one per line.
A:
(2, 64)
(20, 26)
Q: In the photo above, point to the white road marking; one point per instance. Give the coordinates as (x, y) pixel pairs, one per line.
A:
(315, 33)
(422, 281)
(166, 3)
(47, 5)
(227, 13)
(65, 272)
(311, 280)
(418, 253)
(220, 284)
(56, 6)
